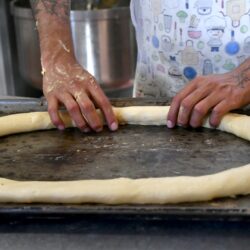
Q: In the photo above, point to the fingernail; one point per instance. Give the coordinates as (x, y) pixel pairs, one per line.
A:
(114, 126)
(170, 124)
(61, 127)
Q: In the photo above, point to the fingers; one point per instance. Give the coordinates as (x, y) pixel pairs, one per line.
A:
(78, 92)
(219, 110)
(189, 105)
(195, 101)
(74, 111)
(88, 111)
(53, 112)
(201, 96)
(175, 105)
(201, 110)
(103, 103)
(82, 110)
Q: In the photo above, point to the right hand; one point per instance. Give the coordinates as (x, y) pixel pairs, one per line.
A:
(69, 84)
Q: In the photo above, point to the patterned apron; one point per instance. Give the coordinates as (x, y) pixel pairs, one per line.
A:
(181, 39)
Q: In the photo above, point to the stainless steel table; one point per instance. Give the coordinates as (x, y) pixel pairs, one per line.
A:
(223, 224)
(102, 234)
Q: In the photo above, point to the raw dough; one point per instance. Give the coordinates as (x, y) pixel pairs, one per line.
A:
(122, 190)
(236, 124)
(130, 191)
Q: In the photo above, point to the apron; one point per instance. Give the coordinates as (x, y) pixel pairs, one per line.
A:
(181, 39)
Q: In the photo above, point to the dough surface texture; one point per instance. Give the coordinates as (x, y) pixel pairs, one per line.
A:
(236, 124)
(163, 190)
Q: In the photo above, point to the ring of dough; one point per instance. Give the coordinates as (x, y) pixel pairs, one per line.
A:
(229, 183)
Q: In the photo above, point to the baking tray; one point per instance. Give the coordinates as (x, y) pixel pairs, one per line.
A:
(133, 151)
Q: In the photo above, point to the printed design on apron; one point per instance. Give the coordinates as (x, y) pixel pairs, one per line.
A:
(174, 69)
(155, 39)
(167, 23)
(189, 56)
(207, 67)
(181, 39)
(193, 31)
(246, 45)
(232, 47)
(190, 59)
(157, 9)
(204, 7)
(182, 16)
(215, 27)
(166, 44)
(171, 4)
(235, 9)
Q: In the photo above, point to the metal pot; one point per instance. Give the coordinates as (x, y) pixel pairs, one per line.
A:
(104, 43)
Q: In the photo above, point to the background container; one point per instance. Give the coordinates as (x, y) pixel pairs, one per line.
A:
(104, 43)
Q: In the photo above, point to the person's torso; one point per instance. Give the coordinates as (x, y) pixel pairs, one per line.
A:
(180, 39)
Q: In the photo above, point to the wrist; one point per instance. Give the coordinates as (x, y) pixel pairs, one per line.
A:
(60, 53)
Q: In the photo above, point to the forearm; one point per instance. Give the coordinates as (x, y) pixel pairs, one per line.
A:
(53, 24)
(65, 81)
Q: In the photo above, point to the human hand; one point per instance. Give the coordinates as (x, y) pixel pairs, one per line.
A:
(215, 94)
(67, 83)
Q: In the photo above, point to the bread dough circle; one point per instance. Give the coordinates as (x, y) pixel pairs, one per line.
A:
(236, 124)
(163, 190)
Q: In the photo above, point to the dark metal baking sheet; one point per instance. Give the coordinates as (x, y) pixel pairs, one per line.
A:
(133, 151)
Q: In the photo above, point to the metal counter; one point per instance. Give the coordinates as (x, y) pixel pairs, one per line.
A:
(95, 233)
(133, 151)
(137, 152)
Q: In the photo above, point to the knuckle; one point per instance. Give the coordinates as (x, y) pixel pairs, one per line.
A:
(228, 90)
(199, 80)
(72, 108)
(210, 84)
(87, 106)
(217, 111)
(52, 110)
(105, 104)
(236, 100)
(92, 82)
(200, 110)
(74, 86)
(185, 104)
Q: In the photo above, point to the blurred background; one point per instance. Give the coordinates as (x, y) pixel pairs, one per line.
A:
(104, 42)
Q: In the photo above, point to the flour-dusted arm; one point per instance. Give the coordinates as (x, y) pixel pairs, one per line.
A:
(64, 80)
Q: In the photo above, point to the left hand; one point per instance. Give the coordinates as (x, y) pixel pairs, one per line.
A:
(215, 94)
